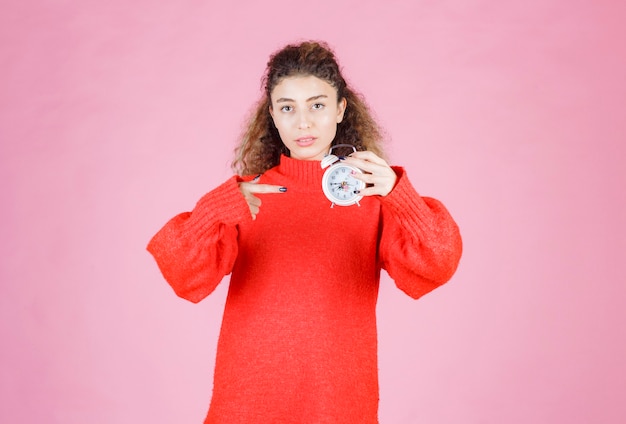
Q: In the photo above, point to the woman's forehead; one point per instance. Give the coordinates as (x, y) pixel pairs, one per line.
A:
(302, 87)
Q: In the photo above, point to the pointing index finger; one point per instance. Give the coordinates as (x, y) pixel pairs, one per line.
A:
(266, 188)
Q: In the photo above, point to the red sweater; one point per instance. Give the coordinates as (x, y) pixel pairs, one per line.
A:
(298, 340)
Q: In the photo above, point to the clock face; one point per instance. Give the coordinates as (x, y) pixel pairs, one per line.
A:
(340, 186)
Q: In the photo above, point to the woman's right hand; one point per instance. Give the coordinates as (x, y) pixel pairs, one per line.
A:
(249, 189)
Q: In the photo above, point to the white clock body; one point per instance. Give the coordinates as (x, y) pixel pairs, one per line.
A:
(338, 182)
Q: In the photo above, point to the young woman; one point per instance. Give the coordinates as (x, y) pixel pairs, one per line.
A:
(298, 341)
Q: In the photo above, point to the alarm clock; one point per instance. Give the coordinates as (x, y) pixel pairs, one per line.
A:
(338, 182)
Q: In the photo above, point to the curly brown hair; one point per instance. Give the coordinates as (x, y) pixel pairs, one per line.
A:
(261, 147)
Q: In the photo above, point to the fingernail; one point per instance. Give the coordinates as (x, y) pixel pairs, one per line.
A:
(282, 189)
(256, 178)
(341, 157)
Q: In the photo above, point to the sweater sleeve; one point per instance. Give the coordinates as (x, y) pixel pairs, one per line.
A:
(420, 245)
(195, 250)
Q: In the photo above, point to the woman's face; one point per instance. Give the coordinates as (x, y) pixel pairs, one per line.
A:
(306, 113)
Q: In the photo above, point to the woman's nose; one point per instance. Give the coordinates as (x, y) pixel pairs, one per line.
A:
(304, 120)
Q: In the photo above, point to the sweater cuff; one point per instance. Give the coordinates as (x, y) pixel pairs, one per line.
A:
(225, 204)
(405, 203)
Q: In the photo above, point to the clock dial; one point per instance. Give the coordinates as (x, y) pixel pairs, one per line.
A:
(341, 186)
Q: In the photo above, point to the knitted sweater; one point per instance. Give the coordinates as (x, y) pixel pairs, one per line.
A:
(298, 340)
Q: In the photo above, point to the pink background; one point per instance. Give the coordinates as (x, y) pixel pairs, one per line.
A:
(115, 115)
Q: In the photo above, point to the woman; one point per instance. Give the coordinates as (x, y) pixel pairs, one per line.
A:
(298, 341)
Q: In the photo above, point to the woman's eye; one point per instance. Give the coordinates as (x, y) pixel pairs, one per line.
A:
(286, 108)
(317, 106)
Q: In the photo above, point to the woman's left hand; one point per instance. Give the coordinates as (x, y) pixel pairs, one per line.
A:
(377, 174)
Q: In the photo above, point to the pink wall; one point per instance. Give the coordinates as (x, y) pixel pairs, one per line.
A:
(116, 115)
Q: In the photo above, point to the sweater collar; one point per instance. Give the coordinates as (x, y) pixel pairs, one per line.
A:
(309, 173)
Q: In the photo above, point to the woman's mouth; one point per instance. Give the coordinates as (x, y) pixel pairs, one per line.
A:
(305, 141)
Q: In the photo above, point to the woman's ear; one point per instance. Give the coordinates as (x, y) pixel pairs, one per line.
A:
(341, 109)
(271, 111)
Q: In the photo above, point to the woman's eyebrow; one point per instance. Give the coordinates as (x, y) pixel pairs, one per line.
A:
(310, 99)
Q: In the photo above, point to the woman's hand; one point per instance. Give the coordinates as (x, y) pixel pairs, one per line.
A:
(378, 175)
(251, 188)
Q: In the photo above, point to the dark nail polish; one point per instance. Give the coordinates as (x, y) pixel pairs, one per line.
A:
(341, 157)
(282, 189)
